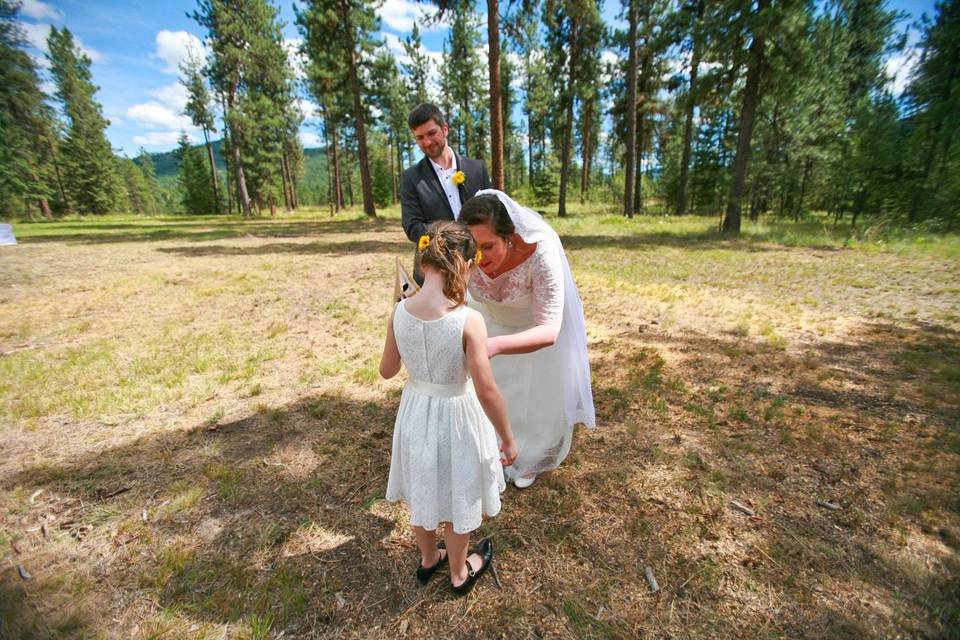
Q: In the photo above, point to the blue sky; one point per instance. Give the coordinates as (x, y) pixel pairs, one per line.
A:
(136, 47)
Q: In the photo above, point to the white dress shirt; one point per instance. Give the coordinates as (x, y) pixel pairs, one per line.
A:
(446, 181)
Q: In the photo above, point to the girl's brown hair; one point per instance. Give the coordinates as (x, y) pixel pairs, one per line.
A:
(451, 248)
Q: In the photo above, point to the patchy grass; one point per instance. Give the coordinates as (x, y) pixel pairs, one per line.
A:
(197, 442)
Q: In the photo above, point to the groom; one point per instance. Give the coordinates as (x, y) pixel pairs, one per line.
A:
(436, 187)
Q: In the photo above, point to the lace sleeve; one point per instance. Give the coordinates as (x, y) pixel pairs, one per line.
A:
(547, 277)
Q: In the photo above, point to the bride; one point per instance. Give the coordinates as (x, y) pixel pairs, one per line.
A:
(537, 343)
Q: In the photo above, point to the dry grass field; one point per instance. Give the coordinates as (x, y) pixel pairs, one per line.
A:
(196, 441)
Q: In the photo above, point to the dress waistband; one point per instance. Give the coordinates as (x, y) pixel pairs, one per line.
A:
(438, 390)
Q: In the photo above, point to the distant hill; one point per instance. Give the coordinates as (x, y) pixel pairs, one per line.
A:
(166, 162)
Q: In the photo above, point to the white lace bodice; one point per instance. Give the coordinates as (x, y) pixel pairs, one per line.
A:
(529, 294)
(432, 350)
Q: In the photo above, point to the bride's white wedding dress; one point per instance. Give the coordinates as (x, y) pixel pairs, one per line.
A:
(547, 391)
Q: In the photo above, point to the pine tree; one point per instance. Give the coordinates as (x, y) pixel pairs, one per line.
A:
(388, 95)
(631, 114)
(574, 30)
(462, 79)
(139, 197)
(692, 13)
(337, 40)
(90, 175)
(25, 123)
(152, 188)
(196, 193)
(229, 36)
(934, 103)
(326, 79)
(201, 114)
(417, 70)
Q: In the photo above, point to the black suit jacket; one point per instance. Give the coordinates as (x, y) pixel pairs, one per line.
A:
(422, 200)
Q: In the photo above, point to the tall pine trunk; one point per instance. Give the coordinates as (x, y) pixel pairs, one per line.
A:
(567, 144)
(496, 95)
(751, 98)
(585, 155)
(56, 171)
(399, 170)
(366, 184)
(638, 183)
(690, 104)
(41, 201)
(287, 182)
(213, 171)
(227, 144)
(334, 168)
(631, 142)
(242, 194)
(330, 189)
(529, 149)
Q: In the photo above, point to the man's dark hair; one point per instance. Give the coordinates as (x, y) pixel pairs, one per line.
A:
(425, 113)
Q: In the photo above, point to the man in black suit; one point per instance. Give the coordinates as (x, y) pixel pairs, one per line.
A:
(436, 187)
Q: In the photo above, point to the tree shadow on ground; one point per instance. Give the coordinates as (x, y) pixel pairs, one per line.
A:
(725, 424)
(287, 523)
(308, 248)
(209, 229)
(267, 518)
(706, 241)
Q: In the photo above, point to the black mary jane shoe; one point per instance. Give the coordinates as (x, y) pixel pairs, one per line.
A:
(485, 550)
(425, 573)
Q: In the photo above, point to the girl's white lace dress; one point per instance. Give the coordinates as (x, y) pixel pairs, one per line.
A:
(532, 384)
(446, 462)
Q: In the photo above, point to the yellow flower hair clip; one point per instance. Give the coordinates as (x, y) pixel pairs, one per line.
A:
(459, 178)
(477, 258)
(424, 242)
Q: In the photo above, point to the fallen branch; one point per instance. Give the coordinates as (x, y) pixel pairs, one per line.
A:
(651, 580)
(496, 575)
(25, 347)
(115, 493)
(742, 508)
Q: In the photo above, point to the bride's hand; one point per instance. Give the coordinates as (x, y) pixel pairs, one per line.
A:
(493, 348)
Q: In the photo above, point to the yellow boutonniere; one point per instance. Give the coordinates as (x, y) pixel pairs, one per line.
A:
(459, 178)
(424, 242)
(477, 258)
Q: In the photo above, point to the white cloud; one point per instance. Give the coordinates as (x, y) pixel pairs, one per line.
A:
(39, 10)
(308, 108)
(153, 115)
(395, 45)
(297, 60)
(172, 95)
(310, 139)
(899, 68)
(162, 138)
(48, 88)
(40, 60)
(173, 48)
(400, 15)
(37, 34)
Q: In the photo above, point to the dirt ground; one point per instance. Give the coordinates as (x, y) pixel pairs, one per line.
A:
(196, 441)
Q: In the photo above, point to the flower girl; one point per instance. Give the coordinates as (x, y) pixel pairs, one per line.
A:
(446, 464)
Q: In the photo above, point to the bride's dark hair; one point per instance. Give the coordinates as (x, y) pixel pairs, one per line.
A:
(451, 248)
(487, 209)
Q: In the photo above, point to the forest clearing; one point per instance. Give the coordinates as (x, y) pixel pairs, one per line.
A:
(196, 439)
